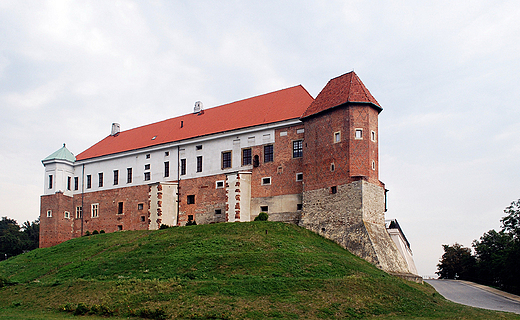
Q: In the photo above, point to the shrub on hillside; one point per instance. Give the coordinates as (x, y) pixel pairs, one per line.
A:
(102, 231)
(262, 217)
(95, 232)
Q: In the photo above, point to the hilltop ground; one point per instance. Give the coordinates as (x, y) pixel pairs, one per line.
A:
(256, 270)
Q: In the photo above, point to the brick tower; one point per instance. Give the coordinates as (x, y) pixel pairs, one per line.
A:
(343, 199)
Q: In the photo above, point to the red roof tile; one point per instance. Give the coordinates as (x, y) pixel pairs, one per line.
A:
(272, 107)
(340, 90)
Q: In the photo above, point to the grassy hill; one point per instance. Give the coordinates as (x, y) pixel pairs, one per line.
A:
(257, 270)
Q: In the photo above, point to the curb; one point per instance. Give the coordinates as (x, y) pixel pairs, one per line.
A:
(492, 290)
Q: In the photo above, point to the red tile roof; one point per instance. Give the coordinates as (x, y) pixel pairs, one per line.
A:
(340, 90)
(272, 107)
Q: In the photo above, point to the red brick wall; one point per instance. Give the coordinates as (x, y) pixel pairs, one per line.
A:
(108, 218)
(350, 157)
(56, 229)
(282, 170)
(207, 199)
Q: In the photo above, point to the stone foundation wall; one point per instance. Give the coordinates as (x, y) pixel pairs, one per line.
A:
(354, 218)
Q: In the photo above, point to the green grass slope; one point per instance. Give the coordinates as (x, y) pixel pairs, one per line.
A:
(257, 270)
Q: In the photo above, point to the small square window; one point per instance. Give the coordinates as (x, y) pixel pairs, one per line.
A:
(264, 208)
(143, 219)
(147, 156)
(49, 213)
(337, 137)
(298, 206)
(190, 217)
(299, 176)
(334, 190)
(219, 184)
(146, 176)
(266, 181)
(166, 153)
(300, 131)
(359, 134)
(140, 206)
(147, 166)
(67, 215)
(198, 147)
(119, 227)
(190, 199)
(218, 211)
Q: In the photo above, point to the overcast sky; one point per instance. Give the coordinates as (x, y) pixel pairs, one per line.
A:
(447, 74)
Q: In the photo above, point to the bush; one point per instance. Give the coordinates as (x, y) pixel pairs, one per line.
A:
(102, 231)
(262, 217)
(191, 223)
(95, 232)
(158, 314)
(164, 226)
(81, 309)
(87, 233)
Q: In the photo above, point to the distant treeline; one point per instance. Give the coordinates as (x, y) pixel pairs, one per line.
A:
(15, 239)
(496, 258)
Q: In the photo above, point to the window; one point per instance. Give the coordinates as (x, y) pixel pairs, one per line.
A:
(283, 133)
(119, 227)
(359, 134)
(146, 176)
(246, 156)
(129, 175)
(76, 183)
(119, 208)
(226, 159)
(334, 190)
(266, 181)
(299, 207)
(183, 167)
(143, 219)
(268, 153)
(373, 165)
(300, 131)
(297, 149)
(190, 217)
(116, 177)
(219, 184)
(373, 136)
(49, 213)
(191, 199)
(256, 161)
(218, 211)
(299, 176)
(166, 169)
(264, 208)
(332, 167)
(337, 137)
(79, 212)
(50, 181)
(147, 156)
(69, 182)
(166, 153)
(198, 147)
(100, 179)
(67, 215)
(199, 164)
(89, 181)
(140, 206)
(147, 166)
(94, 210)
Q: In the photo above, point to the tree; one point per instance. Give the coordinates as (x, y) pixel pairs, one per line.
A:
(511, 222)
(457, 262)
(491, 253)
(10, 241)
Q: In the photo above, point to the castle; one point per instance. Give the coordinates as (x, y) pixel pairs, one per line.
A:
(313, 162)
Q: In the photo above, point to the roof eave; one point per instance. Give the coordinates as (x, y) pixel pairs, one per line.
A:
(371, 104)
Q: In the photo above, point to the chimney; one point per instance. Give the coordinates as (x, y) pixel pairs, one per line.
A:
(198, 107)
(115, 129)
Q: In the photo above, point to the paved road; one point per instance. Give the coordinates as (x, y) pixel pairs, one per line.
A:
(471, 295)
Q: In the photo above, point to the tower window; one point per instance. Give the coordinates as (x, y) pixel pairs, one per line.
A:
(49, 213)
(373, 165)
(337, 137)
(359, 134)
(67, 215)
(190, 199)
(219, 184)
(266, 181)
(69, 182)
(373, 136)
(50, 181)
(333, 190)
(299, 176)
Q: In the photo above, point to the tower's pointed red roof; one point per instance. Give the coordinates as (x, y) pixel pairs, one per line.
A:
(272, 107)
(340, 90)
